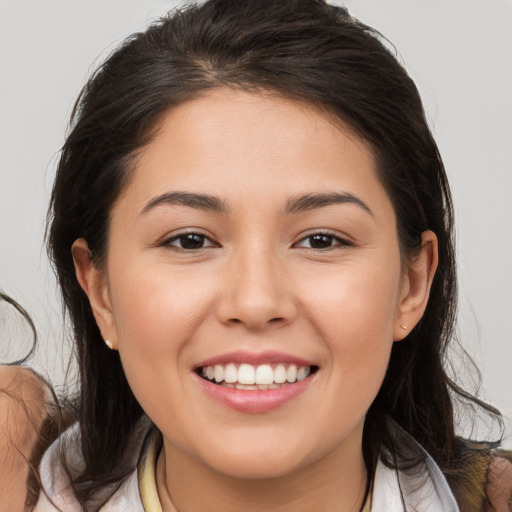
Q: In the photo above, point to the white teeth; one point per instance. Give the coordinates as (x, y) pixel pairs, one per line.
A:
(280, 374)
(302, 373)
(246, 386)
(291, 373)
(230, 373)
(218, 373)
(247, 376)
(264, 374)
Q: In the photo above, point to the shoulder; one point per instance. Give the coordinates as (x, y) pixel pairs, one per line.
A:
(407, 477)
(23, 408)
(499, 483)
(63, 462)
(485, 483)
(481, 482)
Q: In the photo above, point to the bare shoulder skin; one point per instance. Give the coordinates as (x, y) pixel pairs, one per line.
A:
(22, 411)
(499, 488)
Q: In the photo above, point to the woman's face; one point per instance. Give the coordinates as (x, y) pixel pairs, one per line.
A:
(254, 242)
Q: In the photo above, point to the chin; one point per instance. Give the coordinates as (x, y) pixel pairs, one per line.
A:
(259, 461)
(264, 469)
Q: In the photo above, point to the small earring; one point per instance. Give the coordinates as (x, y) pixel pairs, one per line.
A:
(403, 326)
(109, 344)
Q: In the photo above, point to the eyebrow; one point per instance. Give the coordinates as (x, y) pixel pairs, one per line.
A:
(200, 201)
(311, 201)
(294, 205)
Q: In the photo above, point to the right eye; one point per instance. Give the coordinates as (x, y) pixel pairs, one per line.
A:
(323, 241)
(189, 241)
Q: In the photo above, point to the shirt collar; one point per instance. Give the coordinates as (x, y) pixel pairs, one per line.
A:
(422, 488)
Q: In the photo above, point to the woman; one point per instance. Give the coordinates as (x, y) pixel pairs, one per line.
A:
(252, 230)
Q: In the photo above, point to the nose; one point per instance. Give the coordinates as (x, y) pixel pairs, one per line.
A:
(257, 291)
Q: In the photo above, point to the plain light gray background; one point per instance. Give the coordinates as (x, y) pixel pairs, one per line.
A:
(458, 51)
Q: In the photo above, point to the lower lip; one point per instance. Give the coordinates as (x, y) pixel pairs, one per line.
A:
(254, 401)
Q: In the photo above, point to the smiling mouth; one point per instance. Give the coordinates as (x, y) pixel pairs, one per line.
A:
(252, 377)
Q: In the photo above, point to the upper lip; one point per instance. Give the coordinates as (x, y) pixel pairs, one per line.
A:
(254, 358)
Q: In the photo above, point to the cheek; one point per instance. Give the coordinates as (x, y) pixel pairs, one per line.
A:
(355, 317)
(157, 309)
(354, 309)
(157, 315)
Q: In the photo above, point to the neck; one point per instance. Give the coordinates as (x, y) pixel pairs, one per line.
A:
(336, 482)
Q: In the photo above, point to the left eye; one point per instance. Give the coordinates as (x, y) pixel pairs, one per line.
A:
(321, 241)
(190, 241)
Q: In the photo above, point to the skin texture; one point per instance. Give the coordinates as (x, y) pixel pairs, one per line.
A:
(499, 488)
(256, 285)
(22, 411)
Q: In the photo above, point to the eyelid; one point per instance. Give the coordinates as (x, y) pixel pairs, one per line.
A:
(166, 241)
(342, 240)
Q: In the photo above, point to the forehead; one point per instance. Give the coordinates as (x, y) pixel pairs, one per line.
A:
(246, 145)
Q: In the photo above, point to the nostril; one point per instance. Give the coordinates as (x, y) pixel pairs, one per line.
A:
(275, 320)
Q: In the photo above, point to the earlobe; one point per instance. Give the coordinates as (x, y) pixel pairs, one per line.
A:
(94, 283)
(416, 287)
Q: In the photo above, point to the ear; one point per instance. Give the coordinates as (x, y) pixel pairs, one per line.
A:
(95, 284)
(416, 285)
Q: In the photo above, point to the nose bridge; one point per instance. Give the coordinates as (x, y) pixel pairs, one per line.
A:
(256, 293)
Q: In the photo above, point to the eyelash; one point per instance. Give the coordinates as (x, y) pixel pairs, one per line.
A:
(339, 242)
(181, 237)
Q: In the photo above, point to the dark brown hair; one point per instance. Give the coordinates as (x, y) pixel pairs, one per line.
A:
(300, 49)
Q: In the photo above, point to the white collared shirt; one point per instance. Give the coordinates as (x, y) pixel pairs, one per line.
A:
(422, 489)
